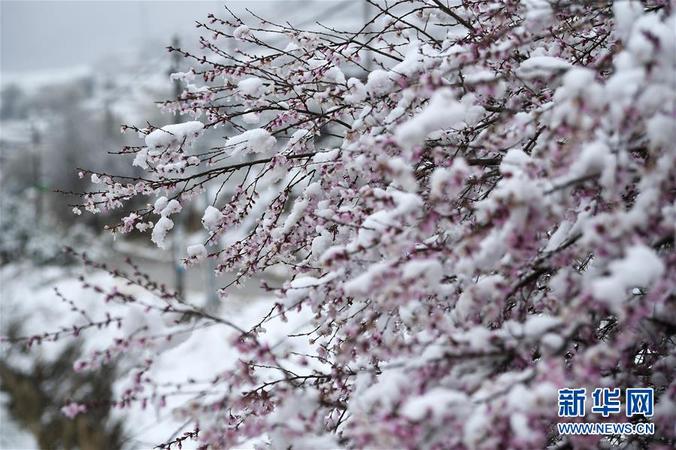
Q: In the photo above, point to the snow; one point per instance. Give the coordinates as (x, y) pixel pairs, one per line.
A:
(197, 251)
(626, 14)
(594, 158)
(647, 32)
(251, 117)
(257, 140)
(160, 204)
(514, 160)
(429, 270)
(241, 32)
(413, 60)
(140, 160)
(373, 226)
(559, 236)
(449, 181)
(536, 326)
(474, 111)
(320, 243)
(661, 131)
(173, 134)
(361, 284)
(475, 432)
(442, 112)
(212, 218)
(297, 211)
(160, 231)
(538, 15)
(486, 289)
(640, 267)
(388, 386)
(436, 402)
(165, 207)
(304, 282)
(251, 87)
(327, 156)
(357, 92)
(438, 179)
(300, 139)
(172, 207)
(519, 425)
(538, 66)
(576, 81)
(335, 75)
(379, 82)
(402, 173)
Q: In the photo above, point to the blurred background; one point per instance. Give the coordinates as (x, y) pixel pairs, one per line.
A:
(71, 72)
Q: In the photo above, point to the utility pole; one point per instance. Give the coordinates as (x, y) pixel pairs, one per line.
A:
(179, 234)
(367, 16)
(36, 141)
(210, 274)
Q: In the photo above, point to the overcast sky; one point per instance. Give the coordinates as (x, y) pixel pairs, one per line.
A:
(36, 35)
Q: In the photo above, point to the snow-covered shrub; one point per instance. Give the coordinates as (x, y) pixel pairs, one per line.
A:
(37, 395)
(491, 218)
(25, 236)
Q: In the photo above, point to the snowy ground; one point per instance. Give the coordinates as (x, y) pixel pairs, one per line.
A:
(28, 296)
